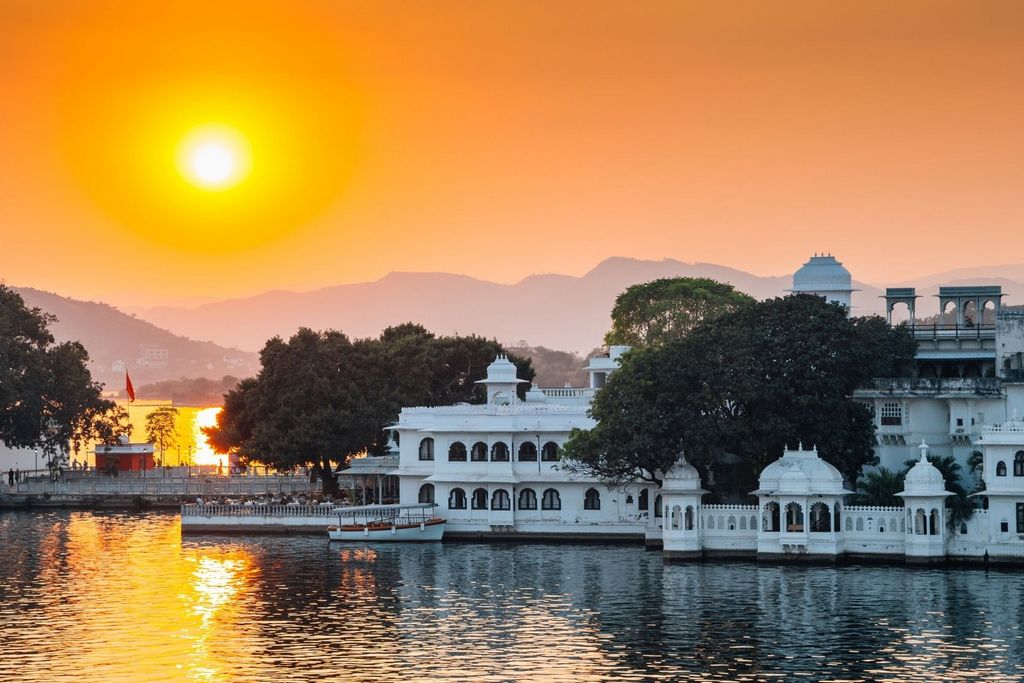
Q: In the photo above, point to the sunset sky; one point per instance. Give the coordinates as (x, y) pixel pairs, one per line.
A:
(500, 139)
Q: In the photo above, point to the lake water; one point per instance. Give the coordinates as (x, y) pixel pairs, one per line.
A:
(116, 597)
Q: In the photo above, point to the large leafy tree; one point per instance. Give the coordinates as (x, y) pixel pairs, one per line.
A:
(321, 398)
(48, 399)
(735, 391)
(661, 310)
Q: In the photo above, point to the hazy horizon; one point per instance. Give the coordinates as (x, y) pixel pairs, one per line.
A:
(500, 140)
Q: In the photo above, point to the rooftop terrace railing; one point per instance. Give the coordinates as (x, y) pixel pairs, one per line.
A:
(951, 331)
(922, 385)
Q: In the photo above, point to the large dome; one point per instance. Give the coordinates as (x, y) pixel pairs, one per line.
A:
(822, 274)
(800, 472)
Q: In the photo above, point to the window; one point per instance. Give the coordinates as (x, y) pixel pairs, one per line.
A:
(457, 499)
(1020, 518)
(688, 518)
(657, 506)
(629, 499)
(457, 452)
(794, 517)
(770, 517)
(677, 516)
(1000, 469)
(1018, 464)
(550, 452)
(642, 505)
(427, 493)
(892, 415)
(820, 518)
(500, 500)
(551, 500)
(479, 452)
(499, 452)
(959, 422)
(527, 452)
(592, 500)
(427, 449)
(1004, 526)
(527, 499)
(480, 499)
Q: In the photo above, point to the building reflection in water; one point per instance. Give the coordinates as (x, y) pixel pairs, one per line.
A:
(114, 598)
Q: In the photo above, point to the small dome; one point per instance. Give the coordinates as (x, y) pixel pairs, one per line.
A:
(501, 370)
(535, 395)
(682, 477)
(924, 478)
(800, 472)
(822, 274)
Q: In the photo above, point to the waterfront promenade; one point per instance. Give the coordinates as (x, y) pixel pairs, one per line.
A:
(162, 487)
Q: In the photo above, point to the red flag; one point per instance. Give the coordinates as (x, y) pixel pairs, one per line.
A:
(128, 387)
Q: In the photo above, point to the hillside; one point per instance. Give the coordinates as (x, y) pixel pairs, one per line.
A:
(116, 341)
(555, 311)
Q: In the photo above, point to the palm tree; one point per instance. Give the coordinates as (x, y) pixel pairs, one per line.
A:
(879, 488)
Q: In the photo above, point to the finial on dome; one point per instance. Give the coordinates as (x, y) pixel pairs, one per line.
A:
(800, 446)
(924, 451)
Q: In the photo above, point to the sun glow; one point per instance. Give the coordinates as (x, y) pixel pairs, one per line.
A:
(214, 157)
(204, 453)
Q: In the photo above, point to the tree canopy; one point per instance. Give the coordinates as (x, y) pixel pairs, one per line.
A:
(321, 398)
(736, 390)
(48, 399)
(662, 310)
(161, 427)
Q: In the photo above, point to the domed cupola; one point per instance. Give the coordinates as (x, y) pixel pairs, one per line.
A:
(501, 382)
(924, 478)
(682, 477)
(826, 277)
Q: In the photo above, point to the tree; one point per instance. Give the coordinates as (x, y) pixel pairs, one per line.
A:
(161, 428)
(48, 399)
(879, 488)
(321, 398)
(655, 312)
(734, 392)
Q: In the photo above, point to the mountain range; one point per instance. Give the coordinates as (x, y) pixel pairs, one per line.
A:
(554, 311)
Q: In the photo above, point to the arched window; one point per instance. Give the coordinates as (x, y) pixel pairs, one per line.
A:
(933, 522)
(479, 501)
(794, 517)
(657, 506)
(1018, 464)
(753, 523)
(550, 452)
(527, 499)
(500, 500)
(642, 504)
(835, 514)
(860, 524)
(1000, 469)
(849, 523)
(479, 452)
(688, 518)
(456, 499)
(743, 523)
(427, 449)
(551, 500)
(710, 524)
(629, 499)
(821, 521)
(592, 500)
(457, 452)
(427, 493)
(527, 452)
(731, 524)
(499, 452)
(920, 523)
(677, 517)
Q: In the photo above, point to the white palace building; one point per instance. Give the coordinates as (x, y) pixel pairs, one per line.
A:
(493, 469)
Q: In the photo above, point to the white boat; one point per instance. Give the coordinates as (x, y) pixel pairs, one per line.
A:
(388, 523)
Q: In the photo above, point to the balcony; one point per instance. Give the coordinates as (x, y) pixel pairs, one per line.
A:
(981, 386)
(942, 331)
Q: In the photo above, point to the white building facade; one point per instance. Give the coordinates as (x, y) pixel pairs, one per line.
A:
(494, 469)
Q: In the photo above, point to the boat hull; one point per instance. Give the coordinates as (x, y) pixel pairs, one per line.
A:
(432, 530)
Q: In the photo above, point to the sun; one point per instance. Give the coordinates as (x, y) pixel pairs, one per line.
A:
(214, 157)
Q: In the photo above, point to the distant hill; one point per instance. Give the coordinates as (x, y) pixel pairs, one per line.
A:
(116, 341)
(555, 311)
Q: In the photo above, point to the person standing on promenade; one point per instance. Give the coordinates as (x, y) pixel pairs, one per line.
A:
(10, 477)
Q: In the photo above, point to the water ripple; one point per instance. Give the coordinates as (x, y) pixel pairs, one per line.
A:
(116, 597)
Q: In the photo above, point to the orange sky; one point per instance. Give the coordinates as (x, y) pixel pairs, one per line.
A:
(500, 139)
